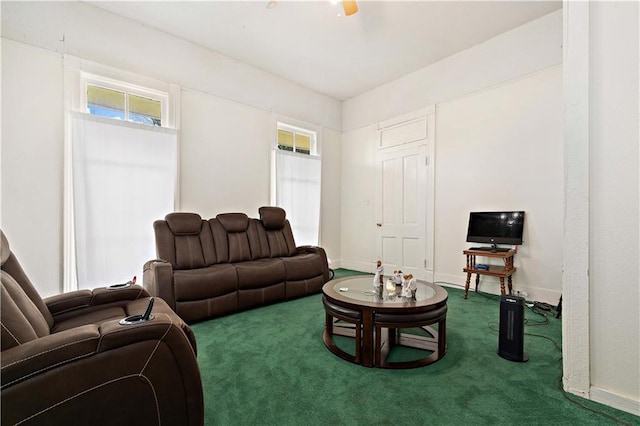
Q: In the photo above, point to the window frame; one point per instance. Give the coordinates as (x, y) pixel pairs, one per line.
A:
(312, 134)
(90, 79)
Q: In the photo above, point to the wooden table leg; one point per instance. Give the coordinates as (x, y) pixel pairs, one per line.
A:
(367, 338)
(466, 286)
(477, 281)
(442, 338)
(377, 358)
(510, 284)
(502, 286)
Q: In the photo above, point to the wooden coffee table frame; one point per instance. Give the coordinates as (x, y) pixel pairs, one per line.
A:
(376, 327)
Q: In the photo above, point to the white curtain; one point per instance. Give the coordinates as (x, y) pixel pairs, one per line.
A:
(298, 192)
(124, 178)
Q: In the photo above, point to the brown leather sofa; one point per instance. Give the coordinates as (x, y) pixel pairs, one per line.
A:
(215, 267)
(67, 360)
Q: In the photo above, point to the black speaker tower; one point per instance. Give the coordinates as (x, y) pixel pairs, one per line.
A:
(511, 338)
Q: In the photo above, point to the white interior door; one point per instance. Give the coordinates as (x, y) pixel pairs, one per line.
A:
(404, 196)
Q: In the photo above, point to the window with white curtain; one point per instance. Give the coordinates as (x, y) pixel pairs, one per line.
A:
(123, 180)
(298, 181)
(121, 176)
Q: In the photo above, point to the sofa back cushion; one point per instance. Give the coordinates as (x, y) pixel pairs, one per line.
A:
(258, 241)
(11, 266)
(185, 241)
(22, 321)
(278, 231)
(235, 226)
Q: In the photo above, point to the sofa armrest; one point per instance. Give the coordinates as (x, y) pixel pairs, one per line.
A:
(68, 301)
(320, 251)
(311, 249)
(80, 299)
(165, 327)
(46, 352)
(157, 279)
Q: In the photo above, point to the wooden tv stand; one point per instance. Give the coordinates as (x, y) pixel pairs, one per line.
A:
(499, 271)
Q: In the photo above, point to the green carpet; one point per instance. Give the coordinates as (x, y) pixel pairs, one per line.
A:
(269, 366)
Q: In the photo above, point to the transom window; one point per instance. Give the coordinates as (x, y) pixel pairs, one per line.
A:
(122, 101)
(295, 139)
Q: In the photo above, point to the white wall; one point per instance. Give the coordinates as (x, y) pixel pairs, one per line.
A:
(330, 198)
(32, 161)
(614, 240)
(224, 162)
(225, 129)
(498, 146)
(501, 149)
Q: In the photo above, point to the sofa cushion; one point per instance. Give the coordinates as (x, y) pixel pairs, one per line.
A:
(189, 252)
(272, 217)
(96, 316)
(281, 242)
(237, 241)
(239, 250)
(21, 319)
(204, 283)
(260, 273)
(12, 267)
(185, 250)
(184, 223)
(258, 242)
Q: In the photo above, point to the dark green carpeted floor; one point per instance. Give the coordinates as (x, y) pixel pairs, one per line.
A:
(269, 366)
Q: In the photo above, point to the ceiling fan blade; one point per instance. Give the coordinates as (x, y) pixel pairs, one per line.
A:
(350, 7)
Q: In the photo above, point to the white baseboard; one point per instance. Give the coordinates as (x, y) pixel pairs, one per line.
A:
(358, 266)
(614, 400)
(444, 279)
(491, 285)
(371, 268)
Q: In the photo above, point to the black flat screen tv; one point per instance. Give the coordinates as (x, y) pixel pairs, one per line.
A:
(496, 227)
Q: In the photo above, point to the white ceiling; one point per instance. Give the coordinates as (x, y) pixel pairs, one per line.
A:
(307, 43)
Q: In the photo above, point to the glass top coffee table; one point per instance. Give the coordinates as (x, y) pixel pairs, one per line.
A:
(379, 322)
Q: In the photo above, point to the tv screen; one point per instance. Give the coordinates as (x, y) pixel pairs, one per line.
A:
(496, 227)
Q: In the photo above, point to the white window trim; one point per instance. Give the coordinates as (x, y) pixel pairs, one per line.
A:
(80, 72)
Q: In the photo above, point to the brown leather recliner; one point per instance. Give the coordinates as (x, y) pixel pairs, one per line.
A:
(67, 359)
